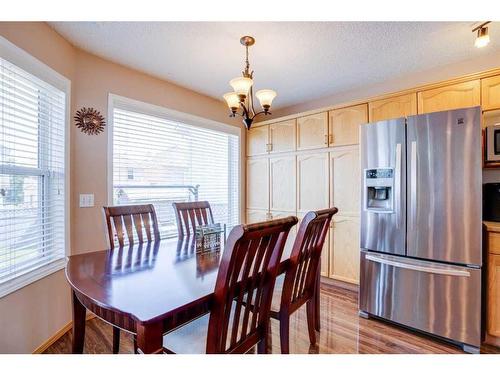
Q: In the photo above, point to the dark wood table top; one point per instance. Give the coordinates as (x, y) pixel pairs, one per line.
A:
(149, 282)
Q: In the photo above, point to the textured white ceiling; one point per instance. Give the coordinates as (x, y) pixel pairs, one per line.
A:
(302, 61)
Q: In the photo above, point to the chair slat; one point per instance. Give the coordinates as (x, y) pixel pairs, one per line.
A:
(138, 227)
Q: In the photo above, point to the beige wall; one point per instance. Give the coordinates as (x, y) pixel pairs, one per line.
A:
(31, 315)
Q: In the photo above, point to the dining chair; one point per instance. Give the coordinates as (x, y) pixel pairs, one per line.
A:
(191, 214)
(118, 219)
(239, 316)
(298, 286)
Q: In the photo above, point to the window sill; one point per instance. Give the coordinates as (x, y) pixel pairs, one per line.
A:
(30, 277)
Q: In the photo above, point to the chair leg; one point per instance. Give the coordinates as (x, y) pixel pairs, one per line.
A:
(116, 340)
(311, 320)
(317, 295)
(285, 334)
(262, 346)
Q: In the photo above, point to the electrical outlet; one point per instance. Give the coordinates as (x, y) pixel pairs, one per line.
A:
(86, 200)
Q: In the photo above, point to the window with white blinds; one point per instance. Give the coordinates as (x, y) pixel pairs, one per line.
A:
(160, 161)
(32, 176)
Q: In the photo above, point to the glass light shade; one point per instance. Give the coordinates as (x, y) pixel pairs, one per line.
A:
(265, 97)
(232, 100)
(241, 85)
(482, 38)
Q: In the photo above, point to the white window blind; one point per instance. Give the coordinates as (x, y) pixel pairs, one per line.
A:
(159, 161)
(32, 175)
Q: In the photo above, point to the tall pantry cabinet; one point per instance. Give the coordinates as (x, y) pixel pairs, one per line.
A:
(311, 163)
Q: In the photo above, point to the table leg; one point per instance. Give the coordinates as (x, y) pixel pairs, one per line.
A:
(150, 338)
(317, 301)
(79, 312)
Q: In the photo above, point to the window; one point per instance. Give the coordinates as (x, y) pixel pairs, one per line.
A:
(159, 159)
(32, 170)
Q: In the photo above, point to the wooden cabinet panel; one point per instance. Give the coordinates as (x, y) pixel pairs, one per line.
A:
(395, 107)
(282, 136)
(312, 181)
(490, 92)
(494, 243)
(344, 249)
(257, 140)
(312, 131)
(460, 95)
(344, 124)
(345, 180)
(282, 183)
(493, 318)
(256, 216)
(257, 184)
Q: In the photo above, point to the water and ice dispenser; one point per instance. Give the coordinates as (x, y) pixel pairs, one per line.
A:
(379, 190)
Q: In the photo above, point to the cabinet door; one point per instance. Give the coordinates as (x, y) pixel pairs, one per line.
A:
(325, 253)
(493, 295)
(395, 107)
(257, 186)
(460, 95)
(344, 249)
(345, 180)
(312, 131)
(256, 216)
(312, 182)
(344, 124)
(490, 90)
(282, 136)
(282, 183)
(257, 140)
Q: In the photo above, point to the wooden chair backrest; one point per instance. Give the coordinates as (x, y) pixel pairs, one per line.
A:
(302, 273)
(244, 287)
(191, 214)
(121, 220)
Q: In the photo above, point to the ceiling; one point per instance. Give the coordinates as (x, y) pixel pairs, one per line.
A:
(302, 61)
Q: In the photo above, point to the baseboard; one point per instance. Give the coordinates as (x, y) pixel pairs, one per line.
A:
(492, 340)
(45, 345)
(340, 284)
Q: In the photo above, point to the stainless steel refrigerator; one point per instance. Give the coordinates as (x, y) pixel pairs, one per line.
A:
(421, 229)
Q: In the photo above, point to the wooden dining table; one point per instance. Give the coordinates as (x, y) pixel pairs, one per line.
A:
(147, 289)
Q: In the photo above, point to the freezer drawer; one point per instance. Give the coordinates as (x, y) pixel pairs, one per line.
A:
(435, 298)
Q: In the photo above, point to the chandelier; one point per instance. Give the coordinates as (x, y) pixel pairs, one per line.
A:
(242, 97)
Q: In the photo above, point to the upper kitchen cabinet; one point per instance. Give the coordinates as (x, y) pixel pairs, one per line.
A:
(460, 95)
(257, 186)
(312, 131)
(490, 92)
(282, 172)
(312, 181)
(394, 107)
(282, 136)
(258, 140)
(344, 124)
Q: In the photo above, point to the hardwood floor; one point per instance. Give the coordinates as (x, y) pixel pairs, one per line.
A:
(342, 331)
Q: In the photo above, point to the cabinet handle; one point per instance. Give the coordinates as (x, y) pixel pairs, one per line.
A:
(326, 139)
(331, 139)
(270, 147)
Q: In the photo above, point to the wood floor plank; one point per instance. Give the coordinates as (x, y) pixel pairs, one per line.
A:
(342, 331)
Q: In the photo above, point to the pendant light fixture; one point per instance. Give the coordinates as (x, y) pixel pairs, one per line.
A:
(242, 96)
(482, 38)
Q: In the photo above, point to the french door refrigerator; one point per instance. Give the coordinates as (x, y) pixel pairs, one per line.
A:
(421, 229)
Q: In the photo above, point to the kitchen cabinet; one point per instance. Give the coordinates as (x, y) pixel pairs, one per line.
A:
(345, 180)
(460, 95)
(493, 295)
(344, 124)
(312, 181)
(393, 107)
(257, 183)
(312, 131)
(258, 140)
(256, 216)
(490, 93)
(344, 249)
(282, 136)
(282, 178)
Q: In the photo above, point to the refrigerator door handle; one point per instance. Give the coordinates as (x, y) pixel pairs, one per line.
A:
(415, 267)
(413, 183)
(397, 186)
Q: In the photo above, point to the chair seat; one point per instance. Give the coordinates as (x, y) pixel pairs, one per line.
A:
(191, 338)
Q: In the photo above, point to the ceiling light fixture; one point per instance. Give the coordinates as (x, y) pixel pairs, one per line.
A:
(482, 38)
(242, 96)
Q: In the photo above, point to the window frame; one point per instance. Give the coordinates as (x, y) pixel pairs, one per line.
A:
(32, 65)
(117, 101)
